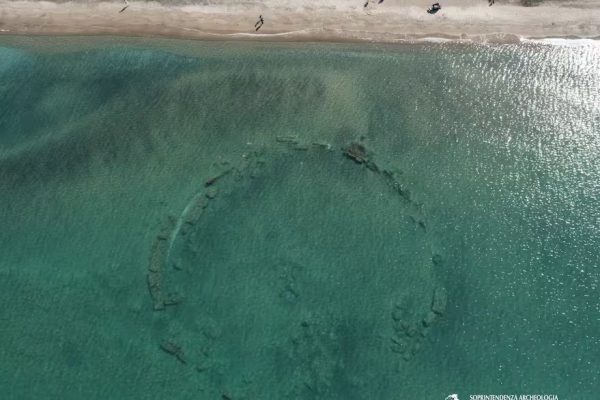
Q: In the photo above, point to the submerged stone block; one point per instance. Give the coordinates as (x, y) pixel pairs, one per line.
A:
(196, 209)
(173, 349)
(429, 319)
(398, 314)
(158, 255)
(157, 261)
(166, 228)
(215, 177)
(212, 192)
(356, 152)
(154, 286)
(287, 139)
(439, 301)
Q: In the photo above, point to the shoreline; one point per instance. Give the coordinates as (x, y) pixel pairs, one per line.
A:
(331, 21)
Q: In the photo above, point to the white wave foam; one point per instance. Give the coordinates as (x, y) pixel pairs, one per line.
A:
(564, 41)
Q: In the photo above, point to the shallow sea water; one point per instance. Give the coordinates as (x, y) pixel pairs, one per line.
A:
(461, 258)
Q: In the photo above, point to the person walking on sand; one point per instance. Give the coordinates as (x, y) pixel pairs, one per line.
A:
(124, 8)
(259, 23)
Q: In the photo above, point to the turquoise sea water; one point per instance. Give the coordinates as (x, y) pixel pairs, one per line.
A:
(462, 258)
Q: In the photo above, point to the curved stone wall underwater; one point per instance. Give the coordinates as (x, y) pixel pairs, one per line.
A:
(304, 300)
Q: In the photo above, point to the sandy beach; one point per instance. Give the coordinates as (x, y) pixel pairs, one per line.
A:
(328, 20)
(303, 20)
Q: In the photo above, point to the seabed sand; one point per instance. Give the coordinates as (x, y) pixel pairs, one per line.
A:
(303, 20)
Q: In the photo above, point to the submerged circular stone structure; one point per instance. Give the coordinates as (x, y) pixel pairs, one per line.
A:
(301, 273)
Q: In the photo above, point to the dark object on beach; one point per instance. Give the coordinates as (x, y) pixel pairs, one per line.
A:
(491, 2)
(123, 9)
(366, 4)
(380, 1)
(435, 7)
